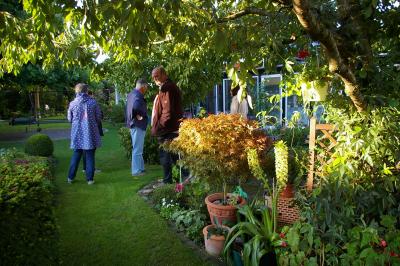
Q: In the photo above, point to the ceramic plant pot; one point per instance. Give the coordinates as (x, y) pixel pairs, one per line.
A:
(225, 214)
(214, 244)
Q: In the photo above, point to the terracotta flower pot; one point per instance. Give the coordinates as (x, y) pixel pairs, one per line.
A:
(223, 213)
(287, 192)
(215, 243)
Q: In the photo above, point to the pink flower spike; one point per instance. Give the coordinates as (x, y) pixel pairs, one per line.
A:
(179, 187)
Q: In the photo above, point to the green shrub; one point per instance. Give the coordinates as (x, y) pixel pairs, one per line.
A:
(374, 244)
(125, 141)
(150, 150)
(39, 145)
(27, 223)
(116, 113)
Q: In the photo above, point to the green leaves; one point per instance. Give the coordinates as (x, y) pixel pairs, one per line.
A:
(260, 234)
(281, 163)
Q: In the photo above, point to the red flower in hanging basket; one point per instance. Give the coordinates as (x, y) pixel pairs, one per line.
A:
(303, 54)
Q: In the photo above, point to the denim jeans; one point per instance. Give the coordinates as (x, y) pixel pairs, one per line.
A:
(76, 158)
(84, 160)
(167, 159)
(137, 136)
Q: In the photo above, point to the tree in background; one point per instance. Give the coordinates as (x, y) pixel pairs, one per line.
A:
(54, 86)
(195, 39)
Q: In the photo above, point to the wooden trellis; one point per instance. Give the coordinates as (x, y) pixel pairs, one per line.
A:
(320, 138)
(321, 144)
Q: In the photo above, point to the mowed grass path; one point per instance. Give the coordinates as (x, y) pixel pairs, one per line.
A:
(108, 223)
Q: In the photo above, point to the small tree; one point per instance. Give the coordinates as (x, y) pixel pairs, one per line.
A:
(215, 147)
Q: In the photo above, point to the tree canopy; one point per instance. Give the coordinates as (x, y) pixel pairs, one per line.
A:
(197, 40)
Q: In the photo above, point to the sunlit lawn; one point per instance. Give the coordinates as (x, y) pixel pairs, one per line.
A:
(108, 223)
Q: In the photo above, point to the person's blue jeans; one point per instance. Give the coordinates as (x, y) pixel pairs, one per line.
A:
(167, 159)
(137, 136)
(76, 158)
(84, 161)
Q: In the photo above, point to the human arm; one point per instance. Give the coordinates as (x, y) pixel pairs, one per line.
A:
(69, 113)
(139, 109)
(98, 114)
(234, 105)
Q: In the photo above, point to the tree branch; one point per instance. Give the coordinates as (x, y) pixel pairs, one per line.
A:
(244, 12)
(319, 32)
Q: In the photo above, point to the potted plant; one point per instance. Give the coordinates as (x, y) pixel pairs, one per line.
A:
(214, 149)
(314, 83)
(214, 238)
(258, 236)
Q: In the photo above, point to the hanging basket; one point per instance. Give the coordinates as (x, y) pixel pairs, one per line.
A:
(315, 91)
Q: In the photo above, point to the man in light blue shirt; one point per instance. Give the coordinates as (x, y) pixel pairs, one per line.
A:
(136, 121)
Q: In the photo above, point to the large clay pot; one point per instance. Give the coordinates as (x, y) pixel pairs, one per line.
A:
(215, 243)
(225, 214)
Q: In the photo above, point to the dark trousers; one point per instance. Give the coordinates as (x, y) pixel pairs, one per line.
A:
(89, 161)
(167, 159)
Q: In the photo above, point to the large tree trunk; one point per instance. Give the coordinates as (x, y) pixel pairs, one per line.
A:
(337, 64)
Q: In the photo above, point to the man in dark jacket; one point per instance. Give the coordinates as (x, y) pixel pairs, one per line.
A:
(136, 121)
(166, 117)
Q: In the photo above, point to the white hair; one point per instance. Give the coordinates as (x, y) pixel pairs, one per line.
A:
(140, 83)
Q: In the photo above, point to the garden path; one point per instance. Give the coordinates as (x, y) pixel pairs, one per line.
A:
(54, 134)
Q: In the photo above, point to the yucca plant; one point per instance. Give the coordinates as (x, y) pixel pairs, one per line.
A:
(258, 234)
(258, 230)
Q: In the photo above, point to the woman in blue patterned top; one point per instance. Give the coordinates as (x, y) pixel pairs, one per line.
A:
(85, 116)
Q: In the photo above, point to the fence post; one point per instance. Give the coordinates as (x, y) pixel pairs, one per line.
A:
(311, 148)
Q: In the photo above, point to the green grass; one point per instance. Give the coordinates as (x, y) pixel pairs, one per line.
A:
(108, 223)
(6, 128)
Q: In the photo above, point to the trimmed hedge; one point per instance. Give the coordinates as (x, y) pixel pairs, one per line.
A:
(28, 230)
(39, 145)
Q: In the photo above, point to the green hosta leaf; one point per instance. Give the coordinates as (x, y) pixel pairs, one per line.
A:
(388, 221)
(367, 252)
(293, 239)
(311, 262)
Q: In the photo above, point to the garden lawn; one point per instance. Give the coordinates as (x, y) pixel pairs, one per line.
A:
(5, 128)
(108, 223)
